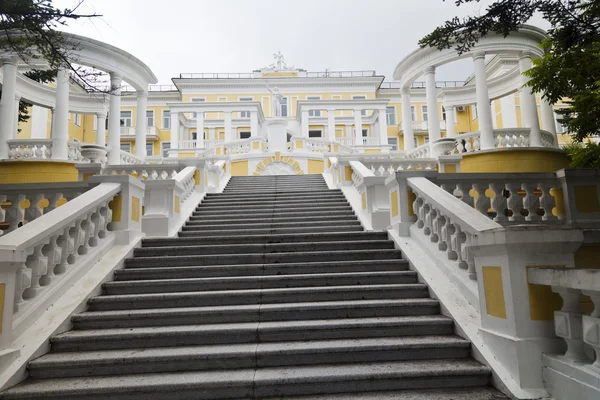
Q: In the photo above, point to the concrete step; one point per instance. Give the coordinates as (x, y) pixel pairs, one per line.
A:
(216, 232)
(278, 219)
(286, 194)
(248, 200)
(268, 248)
(247, 355)
(272, 214)
(258, 282)
(255, 313)
(297, 224)
(229, 259)
(276, 202)
(263, 382)
(272, 192)
(261, 239)
(318, 267)
(255, 296)
(270, 206)
(477, 393)
(251, 332)
(251, 211)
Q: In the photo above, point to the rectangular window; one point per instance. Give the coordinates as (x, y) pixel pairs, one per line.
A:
(149, 148)
(125, 118)
(413, 113)
(165, 146)
(443, 113)
(365, 132)
(166, 119)
(390, 115)
(416, 141)
(126, 147)
(150, 117)
(314, 134)
(198, 99)
(393, 142)
(424, 113)
(244, 135)
(426, 139)
(245, 114)
(284, 107)
(314, 113)
(78, 119)
(474, 111)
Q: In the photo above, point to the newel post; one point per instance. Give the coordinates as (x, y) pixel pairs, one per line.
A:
(402, 197)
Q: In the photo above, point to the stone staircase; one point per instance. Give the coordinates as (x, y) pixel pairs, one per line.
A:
(272, 290)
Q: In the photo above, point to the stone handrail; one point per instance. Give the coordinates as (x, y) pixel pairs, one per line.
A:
(244, 146)
(40, 149)
(144, 171)
(503, 138)
(374, 197)
(422, 151)
(26, 202)
(185, 181)
(571, 324)
(506, 198)
(387, 167)
(364, 141)
(214, 174)
(129, 159)
(300, 143)
(187, 144)
(448, 222)
(44, 254)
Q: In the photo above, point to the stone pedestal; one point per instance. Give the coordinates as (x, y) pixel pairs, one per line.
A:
(277, 135)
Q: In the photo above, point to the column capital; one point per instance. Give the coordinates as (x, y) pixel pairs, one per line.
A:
(101, 115)
(227, 113)
(330, 109)
(405, 90)
(448, 106)
(429, 70)
(478, 54)
(10, 60)
(174, 113)
(115, 75)
(141, 93)
(525, 54)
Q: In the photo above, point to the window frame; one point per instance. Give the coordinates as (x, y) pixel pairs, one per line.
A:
(393, 143)
(245, 114)
(360, 97)
(151, 144)
(388, 116)
(313, 131)
(284, 104)
(413, 113)
(125, 144)
(162, 148)
(125, 119)
(166, 116)
(424, 113)
(314, 113)
(149, 119)
(244, 132)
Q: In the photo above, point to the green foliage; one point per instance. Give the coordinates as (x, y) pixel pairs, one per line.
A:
(584, 155)
(570, 68)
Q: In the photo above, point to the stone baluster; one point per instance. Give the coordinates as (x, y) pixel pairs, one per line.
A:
(531, 202)
(547, 202)
(468, 257)
(515, 202)
(458, 242)
(37, 262)
(568, 323)
(481, 201)
(499, 202)
(591, 326)
(429, 215)
(465, 189)
(419, 211)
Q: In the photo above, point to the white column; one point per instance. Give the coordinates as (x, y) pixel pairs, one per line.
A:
(331, 124)
(211, 134)
(548, 121)
(39, 122)
(383, 127)
(484, 110)
(358, 127)
(450, 132)
(253, 124)
(174, 132)
(407, 123)
(16, 127)
(141, 124)
(200, 130)
(228, 135)
(304, 123)
(101, 129)
(433, 119)
(7, 103)
(509, 111)
(114, 119)
(529, 114)
(60, 136)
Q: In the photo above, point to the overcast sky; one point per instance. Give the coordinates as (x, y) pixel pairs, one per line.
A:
(178, 36)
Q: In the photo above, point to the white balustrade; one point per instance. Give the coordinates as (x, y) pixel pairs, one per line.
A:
(422, 151)
(30, 149)
(448, 222)
(45, 253)
(215, 172)
(144, 171)
(238, 147)
(128, 131)
(209, 144)
(503, 138)
(23, 203)
(364, 141)
(571, 323)
(187, 144)
(386, 167)
(129, 159)
(506, 198)
(375, 202)
(186, 182)
(316, 145)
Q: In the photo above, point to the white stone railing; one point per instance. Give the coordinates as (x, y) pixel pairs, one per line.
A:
(40, 149)
(506, 198)
(144, 171)
(363, 141)
(185, 181)
(387, 167)
(374, 199)
(448, 222)
(422, 151)
(130, 131)
(571, 323)
(503, 138)
(213, 143)
(187, 144)
(422, 125)
(303, 144)
(245, 146)
(48, 251)
(129, 159)
(215, 171)
(24, 203)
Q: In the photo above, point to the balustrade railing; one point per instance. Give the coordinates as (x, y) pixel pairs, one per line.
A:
(422, 151)
(40, 149)
(503, 138)
(507, 198)
(23, 203)
(187, 144)
(47, 251)
(144, 171)
(364, 141)
(388, 167)
(129, 159)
